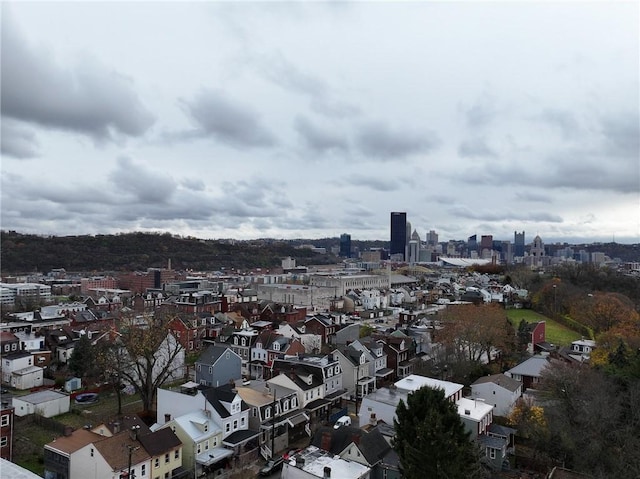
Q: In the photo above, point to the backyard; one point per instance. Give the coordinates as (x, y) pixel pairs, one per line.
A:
(556, 333)
(32, 433)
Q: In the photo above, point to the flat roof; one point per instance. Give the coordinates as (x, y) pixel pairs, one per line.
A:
(40, 396)
(315, 461)
(476, 409)
(413, 382)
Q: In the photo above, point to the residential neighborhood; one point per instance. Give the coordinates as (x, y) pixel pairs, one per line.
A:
(228, 382)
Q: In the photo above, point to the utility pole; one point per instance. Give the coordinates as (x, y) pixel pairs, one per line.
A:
(131, 450)
(273, 425)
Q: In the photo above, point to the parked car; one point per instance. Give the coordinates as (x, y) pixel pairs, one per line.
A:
(86, 398)
(272, 466)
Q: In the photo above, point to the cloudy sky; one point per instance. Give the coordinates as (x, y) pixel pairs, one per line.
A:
(288, 120)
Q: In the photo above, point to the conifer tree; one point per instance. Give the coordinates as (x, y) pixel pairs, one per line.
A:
(431, 440)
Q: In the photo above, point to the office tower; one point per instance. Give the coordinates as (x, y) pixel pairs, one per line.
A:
(518, 244)
(398, 233)
(472, 244)
(432, 238)
(345, 245)
(486, 242)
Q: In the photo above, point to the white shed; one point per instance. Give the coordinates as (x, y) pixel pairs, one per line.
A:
(46, 403)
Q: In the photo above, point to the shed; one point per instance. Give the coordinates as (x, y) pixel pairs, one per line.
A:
(47, 403)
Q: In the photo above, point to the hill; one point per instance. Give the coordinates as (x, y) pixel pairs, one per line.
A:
(138, 251)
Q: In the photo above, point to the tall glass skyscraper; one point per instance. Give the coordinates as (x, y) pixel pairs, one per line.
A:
(518, 244)
(398, 233)
(345, 245)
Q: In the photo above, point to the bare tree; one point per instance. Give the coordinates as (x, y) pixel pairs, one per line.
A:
(148, 355)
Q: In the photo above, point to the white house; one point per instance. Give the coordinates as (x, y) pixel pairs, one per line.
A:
(499, 390)
(201, 440)
(19, 371)
(44, 403)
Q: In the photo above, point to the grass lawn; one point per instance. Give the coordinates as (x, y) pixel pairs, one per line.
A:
(556, 333)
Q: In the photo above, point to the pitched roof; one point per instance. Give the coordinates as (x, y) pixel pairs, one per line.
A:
(531, 367)
(160, 441)
(212, 354)
(501, 380)
(372, 444)
(115, 450)
(77, 440)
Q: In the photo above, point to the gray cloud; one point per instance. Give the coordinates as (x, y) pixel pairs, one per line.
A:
(482, 112)
(622, 135)
(231, 123)
(376, 183)
(533, 197)
(144, 185)
(377, 140)
(18, 141)
(318, 139)
(87, 98)
(466, 212)
(562, 119)
(476, 147)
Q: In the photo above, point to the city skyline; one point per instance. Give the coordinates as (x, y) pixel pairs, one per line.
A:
(310, 120)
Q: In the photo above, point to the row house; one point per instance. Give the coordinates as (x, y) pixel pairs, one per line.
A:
(201, 437)
(400, 353)
(61, 343)
(189, 333)
(196, 302)
(135, 452)
(373, 350)
(311, 342)
(322, 325)
(9, 343)
(222, 404)
(356, 371)
(6, 431)
(147, 302)
(270, 345)
(282, 313)
(276, 413)
(316, 379)
(242, 342)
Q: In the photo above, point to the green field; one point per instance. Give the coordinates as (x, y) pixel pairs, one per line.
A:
(556, 333)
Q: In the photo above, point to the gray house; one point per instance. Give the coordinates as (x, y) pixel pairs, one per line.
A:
(218, 365)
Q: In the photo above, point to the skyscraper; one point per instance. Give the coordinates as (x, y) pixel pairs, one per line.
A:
(345, 245)
(518, 244)
(398, 233)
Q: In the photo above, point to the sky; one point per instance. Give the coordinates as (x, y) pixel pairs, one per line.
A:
(311, 119)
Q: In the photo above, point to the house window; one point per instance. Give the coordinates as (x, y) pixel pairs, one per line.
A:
(176, 454)
(90, 452)
(492, 453)
(267, 413)
(227, 356)
(5, 420)
(143, 470)
(242, 421)
(156, 463)
(210, 369)
(227, 427)
(235, 424)
(206, 445)
(166, 458)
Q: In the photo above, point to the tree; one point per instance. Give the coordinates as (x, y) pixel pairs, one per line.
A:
(148, 355)
(82, 362)
(603, 311)
(431, 439)
(472, 335)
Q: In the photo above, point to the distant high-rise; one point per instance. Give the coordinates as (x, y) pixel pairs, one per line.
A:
(518, 244)
(432, 238)
(472, 244)
(345, 245)
(398, 233)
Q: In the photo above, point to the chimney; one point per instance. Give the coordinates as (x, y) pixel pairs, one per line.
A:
(68, 431)
(300, 462)
(134, 432)
(167, 417)
(327, 473)
(116, 428)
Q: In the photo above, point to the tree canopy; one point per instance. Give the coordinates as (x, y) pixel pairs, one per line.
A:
(431, 439)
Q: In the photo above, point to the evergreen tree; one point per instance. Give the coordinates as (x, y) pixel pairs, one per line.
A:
(82, 362)
(431, 440)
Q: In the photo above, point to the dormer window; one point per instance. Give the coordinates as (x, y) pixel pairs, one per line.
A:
(244, 342)
(267, 413)
(235, 340)
(276, 346)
